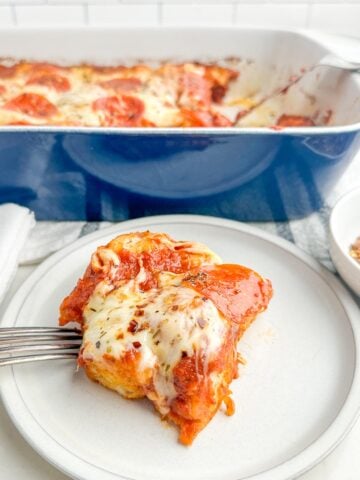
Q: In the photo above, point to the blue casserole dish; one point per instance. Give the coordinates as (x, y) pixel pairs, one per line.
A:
(251, 174)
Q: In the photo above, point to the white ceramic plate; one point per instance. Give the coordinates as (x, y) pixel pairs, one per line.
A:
(295, 400)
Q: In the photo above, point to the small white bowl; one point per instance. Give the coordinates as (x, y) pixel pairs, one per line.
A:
(344, 230)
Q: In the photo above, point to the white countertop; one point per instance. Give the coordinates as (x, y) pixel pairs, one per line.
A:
(19, 461)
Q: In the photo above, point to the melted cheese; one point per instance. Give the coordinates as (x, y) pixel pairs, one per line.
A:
(76, 105)
(162, 325)
(159, 93)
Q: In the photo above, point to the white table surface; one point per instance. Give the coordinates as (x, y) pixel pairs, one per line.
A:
(18, 461)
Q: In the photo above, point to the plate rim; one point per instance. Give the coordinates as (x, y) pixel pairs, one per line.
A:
(293, 467)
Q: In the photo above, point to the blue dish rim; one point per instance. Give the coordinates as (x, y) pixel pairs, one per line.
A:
(354, 127)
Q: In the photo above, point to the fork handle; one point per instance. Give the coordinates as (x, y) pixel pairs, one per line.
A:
(36, 358)
(334, 61)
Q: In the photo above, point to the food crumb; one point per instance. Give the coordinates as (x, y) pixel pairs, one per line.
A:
(355, 250)
(229, 406)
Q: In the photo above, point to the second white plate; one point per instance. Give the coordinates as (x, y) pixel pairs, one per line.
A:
(295, 399)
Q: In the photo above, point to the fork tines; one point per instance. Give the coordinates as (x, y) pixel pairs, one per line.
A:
(39, 343)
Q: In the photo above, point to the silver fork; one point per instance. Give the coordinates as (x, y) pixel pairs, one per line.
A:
(31, 344)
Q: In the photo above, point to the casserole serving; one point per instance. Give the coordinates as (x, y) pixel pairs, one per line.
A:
(245, 172)
(166, 95)
(161, 319)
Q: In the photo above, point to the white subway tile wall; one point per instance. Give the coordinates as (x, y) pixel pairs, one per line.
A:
(47, 15)
(275, 15)
(133, 14)
(6, 16)
(341, 16)
(197, 14)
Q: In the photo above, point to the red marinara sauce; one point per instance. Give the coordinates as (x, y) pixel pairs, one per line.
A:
(237, 291)
(159, 259)
(203, 118)
(294, 121)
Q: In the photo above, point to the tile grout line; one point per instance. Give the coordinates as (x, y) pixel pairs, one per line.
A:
(160, 13)
(160, 4)
(308, 15)
(86, 13)
(14, 15)
(233, 14)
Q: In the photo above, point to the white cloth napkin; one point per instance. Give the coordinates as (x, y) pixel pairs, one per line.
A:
(15, 225)
(47, 238)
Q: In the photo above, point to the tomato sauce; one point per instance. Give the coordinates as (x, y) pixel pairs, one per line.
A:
(235, 290)
(294, 121)
(71, 309)
(196, 402)
(203, 118)
(158, 259)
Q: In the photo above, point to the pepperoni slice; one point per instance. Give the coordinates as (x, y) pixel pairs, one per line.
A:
(7, 72)
(194, 90)
(120, 111)
(218, 93)
(32, 104)
(237, 291)
(203, 118)
(122, 84)
(220, 78)
(107, 70)
(43, 68)
(2, 89)
(294, 121)
(55, 81)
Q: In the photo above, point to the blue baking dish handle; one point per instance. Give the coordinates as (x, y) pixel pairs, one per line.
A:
(114, 175)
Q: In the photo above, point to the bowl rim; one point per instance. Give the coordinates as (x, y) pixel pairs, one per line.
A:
(333, 231)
